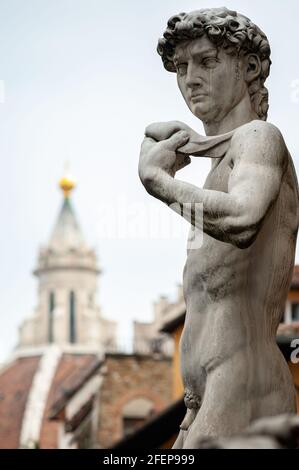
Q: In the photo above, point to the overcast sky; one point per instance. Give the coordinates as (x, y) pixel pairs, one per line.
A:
(82, 80)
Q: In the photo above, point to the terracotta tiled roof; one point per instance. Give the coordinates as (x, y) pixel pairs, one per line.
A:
(289, 329)
(295, 278)
(72, 372)
(74, 381)
(15, 384)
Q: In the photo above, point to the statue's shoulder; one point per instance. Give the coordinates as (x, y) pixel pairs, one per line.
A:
(257, 130)
(260, 135)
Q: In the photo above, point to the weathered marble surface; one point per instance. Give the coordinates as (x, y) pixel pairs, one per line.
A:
(278, 432)
(236, 283)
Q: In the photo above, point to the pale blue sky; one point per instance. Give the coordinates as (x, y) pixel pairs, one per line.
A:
(82, 80)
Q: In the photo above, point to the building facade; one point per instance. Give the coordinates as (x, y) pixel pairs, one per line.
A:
(135, 389)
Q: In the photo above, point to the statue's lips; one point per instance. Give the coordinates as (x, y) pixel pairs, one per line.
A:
(198, 97)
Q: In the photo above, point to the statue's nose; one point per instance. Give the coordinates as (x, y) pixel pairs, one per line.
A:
(193, 78)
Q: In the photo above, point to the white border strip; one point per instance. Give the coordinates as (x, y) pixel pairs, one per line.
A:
(36, 403)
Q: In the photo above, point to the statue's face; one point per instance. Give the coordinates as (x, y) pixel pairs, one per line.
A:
(211, 81)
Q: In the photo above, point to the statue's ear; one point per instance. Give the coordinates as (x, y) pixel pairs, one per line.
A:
(252, 67)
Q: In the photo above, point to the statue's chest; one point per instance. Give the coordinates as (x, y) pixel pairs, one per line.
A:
(218, 177)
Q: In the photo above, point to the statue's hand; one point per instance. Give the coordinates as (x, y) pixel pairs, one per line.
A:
(197, 145)
(163, 130)
(156, 157)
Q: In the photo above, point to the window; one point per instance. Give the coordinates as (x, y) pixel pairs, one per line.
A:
(135, 413)
(51, 308)
(295, 311)
(156, 345)
(72, 317)
(130, 425)
(90, 300)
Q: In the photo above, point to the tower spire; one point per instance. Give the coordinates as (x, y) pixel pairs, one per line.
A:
(67, 183)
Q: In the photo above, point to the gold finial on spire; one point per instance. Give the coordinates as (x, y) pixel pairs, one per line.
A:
(67, 182)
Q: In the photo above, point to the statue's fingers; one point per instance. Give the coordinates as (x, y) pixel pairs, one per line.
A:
(177, 140)
(147, 144)
(154, 130)
(163, 130)
(182, 161)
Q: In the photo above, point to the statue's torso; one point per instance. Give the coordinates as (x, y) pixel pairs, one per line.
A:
(235, 297)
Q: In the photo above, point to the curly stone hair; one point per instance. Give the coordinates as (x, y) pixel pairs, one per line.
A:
(229, 30)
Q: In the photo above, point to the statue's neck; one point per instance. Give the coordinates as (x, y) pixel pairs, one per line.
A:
(241, 114)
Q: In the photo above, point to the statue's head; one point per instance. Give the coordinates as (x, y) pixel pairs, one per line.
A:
(219, 57)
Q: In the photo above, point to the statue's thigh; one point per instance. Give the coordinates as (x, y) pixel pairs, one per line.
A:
(217, 420)
(179, 443)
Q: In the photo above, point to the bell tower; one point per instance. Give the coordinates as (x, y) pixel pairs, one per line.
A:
(67, 272)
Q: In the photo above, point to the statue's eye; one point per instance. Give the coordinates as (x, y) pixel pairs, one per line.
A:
(181, 69)
(209, 62)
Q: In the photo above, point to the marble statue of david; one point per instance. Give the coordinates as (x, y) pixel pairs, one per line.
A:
(236, 282)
